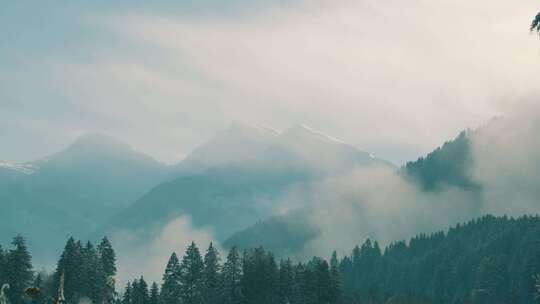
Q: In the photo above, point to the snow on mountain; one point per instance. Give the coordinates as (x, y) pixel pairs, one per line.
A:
(305, 129)
(26, 168)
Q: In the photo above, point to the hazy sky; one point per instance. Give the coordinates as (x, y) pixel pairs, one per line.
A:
(393, 77)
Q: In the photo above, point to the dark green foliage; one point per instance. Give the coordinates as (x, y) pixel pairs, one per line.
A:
(335, 288)
(211, 290)
(170, 288)
(230, 279)
(191, 278)
(70, 265)
(127, 297)
(488, 260)
(260, 277)
(535, 26)
(18, 269)
(154, 294)
(84, 272)
(107, 257)
(448, 165)
(93, 277)
(139, 292)
(286, 281)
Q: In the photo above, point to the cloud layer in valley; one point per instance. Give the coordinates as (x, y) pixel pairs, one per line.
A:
(386, 206)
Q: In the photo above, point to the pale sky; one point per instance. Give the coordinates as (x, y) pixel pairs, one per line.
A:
(395, 78)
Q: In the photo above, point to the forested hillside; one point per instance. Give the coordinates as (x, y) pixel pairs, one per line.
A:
(448, 165)
(487, 260)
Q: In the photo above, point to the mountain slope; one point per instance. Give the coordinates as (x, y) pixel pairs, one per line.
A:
(284, 235)
(74, 191)
(234, 189)
(448, 165)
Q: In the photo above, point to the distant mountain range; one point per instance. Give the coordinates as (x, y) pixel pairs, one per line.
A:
(235, 184)
(234, 180)
(99, 185)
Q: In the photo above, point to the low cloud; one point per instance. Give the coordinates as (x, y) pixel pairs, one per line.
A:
(150, 258)
(507, 158)
(381, 205)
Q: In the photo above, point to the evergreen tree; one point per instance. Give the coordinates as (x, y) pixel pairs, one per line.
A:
(154, 294)
(171, 280)
(335, 280)
(139, 292)
(107, 269)
(260, 277)
(192, 276)
(107, 257)
(286, 281)
(231, 276)
(93, 279)
(127, 297)
(19, 272)
(69, 265)
(491, 281)
(211, 290)
(304, 285)
(322, 281)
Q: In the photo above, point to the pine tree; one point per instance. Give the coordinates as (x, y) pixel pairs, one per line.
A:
(304, 291)
(321, 280)
(231, 276)
(139, 292)
(19, 272)
(107, 257)
(335, 280)
(127, 297)
(154, 294)
(192, 276)
(286, 281)
(69, 265)
(93, 281)
(107, 270)
(171, 280)
(260, 277)
(211, 275)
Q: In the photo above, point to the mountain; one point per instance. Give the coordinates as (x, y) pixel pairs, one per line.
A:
(448, 165)
(299, 146)
(284, 235)
(73, 191)
(236, 144)
(237, 178)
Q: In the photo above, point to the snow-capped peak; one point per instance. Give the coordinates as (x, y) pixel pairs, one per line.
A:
(25, 168)
(316, 133)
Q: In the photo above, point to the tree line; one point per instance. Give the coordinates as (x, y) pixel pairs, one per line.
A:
(487, 260)
(251, 277)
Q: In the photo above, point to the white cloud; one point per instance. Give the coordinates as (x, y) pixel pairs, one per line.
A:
(395, 78)
(151, 258)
